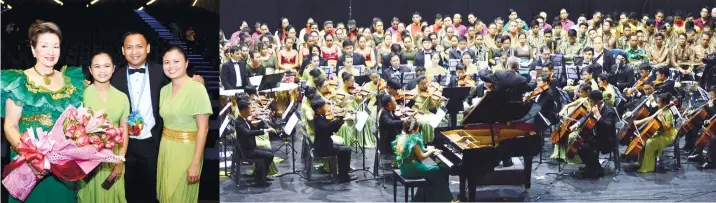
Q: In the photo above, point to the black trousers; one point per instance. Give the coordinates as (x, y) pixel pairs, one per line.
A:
(691, 137)
(711, 150)
(141, 171)
(261, 170)
(344, 159)
(590, 157)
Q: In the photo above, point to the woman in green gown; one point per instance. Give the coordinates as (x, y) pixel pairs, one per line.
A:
(98, 96)
(355, 103)
(185, 107)
(35, 98)
(665, 136)
(409, 151)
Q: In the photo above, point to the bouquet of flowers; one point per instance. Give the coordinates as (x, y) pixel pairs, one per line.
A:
(78, 142)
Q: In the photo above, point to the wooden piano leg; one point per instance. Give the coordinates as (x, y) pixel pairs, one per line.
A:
(528, 172)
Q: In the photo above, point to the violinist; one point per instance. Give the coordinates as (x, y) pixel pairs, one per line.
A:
(354, 97)
(391, 90)
(560, 150)
(601, 139)
(586, 77)
(644, 78)
(544, 97)
(427, 99)
(654, 146)
(323, 144)
(389, 124)
(313, 76)
(622, 75)
(607, 89)
(662, 83)
(477, 93)
(463, 80)
(419, 71)
(394, 67)
(246, 134)
(693, 135)
(311, 94)
(348, 67)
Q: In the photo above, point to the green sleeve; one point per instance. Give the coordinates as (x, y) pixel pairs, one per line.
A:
(201, 103)
(125, 106)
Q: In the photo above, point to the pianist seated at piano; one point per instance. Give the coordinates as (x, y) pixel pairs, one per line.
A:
(655, 145)
(560, 150)
(323, 144)
(600, 139)
(410, 151)
(425, 101)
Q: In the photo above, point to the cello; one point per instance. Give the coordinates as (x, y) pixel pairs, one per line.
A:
(587, 125)
(578, 113)
(696, 118)
(706, 134)
(640, 112)
(636, 146)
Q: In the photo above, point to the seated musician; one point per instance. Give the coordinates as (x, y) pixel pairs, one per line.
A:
(655, 144)
(348, 67)
(477, 93)
(311, 93)
(434, 67)
(560, 150)
(313, 76)
(419, 71)
(424, 103)
(602, 138)
(544, 96)
(410, 151)
(393, 67)
(463, 80)
(246, 134)
(607, 89)
(645, 78)
(696, 155)
(323, 144)
(585, 77)
(662, 82)
(389, 125)
(621, 75)
(466, 60)
(354, 98)
(588, 54)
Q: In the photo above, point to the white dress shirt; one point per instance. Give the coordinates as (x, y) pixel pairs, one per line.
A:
(238, 72)
(144, 101)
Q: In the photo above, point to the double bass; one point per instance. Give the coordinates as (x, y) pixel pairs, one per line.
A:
(650, 128)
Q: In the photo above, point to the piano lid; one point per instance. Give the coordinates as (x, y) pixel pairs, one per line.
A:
(497, 106)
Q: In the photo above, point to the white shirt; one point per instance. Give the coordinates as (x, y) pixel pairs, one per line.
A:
(238, 72)
(600, 61)
(428, 59)
(145, 101)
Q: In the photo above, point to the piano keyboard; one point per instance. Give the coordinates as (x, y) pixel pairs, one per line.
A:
(443, 159)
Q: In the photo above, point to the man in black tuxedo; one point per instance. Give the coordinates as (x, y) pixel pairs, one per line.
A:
(348, 50)
(323, 144)
(395, 49)
(601, 140)
(424, 54)
(461, 49)
(621, 75)
(393, 67)
(247, 139)
(233, 73)
(543, 59)
(142, 81)
(389, 125)
(602, 55)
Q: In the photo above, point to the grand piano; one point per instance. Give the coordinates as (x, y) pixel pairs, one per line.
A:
(494, 129)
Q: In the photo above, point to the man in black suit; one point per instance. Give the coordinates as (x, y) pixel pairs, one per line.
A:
(394, 67)
(348, 50)
(621, 75)
(233, 72)
(395, 49)
(247, 139)
(602, 55)
(323, 144)
(142, 81)
(543, 59)
(388, 125)
(601, 140)
(424, 54)
(461, 49)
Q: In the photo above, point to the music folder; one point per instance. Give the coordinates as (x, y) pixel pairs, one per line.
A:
(270, 81)
(362, 79)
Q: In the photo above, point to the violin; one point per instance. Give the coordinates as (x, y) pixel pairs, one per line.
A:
(404, 95)
(359, 92)
(637, 86)
(466, 82)
(336, 111)
(564, 128)
(649, 130)
(536, 92)
(433, 93)
(402, 111)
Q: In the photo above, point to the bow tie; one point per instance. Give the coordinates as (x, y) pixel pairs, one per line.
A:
(138, 70)
(235, 63)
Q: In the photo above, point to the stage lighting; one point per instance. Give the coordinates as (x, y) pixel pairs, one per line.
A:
(194, 4)
(150, 2)
(93, 2)
(59, 2)
(141, 8)
(2, 2)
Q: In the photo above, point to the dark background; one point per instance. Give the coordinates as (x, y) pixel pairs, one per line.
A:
(232, 12)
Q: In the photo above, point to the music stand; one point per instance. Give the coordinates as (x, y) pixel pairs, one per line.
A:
(455, 97)
(289, 130)
(360, 68)
(270, 81)
(362, 79)
(407, 78)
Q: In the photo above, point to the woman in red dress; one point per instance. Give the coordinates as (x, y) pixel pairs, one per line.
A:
(288, 57)
(330, 52)
(367, 52)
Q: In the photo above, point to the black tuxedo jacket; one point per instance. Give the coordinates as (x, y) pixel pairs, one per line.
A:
(454, 54)
(419, 59)
(229, 76)
(386, 60)
(605, 130)
(157, 80)
(390, 127)
(246, 134)
(608, 59)
(323, 144)
(621, 77)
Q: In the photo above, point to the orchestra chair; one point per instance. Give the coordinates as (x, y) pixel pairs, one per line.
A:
(240, 156)
(408, 183)
(311, 157)
(675, 146)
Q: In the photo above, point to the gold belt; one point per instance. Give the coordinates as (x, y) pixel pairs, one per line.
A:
(179, 136)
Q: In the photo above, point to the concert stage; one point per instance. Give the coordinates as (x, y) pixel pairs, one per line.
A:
(687, 184)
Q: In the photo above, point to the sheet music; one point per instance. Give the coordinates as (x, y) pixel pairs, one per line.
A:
(223, 126)
(291, 124)
(225, 107)
(288, 109)
(256, 80)
(435, 120)
(362, 117)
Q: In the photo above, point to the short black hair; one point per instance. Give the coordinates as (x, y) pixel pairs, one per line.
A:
(572, 33)
(130, 33)
(393, 84)
(346, 76)
(347, 43)
(663, 71)
(645, 66)
(243, 104)
(385, 100)
(317, 104)
(320, 82)
(604, 77)
(596, 95)
(586, 49)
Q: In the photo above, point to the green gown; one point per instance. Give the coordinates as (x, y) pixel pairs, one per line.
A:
(422, 107)
(655, 145)
(438, 189)
(40, 109)
(175, 156)
(357, 137)
(117, 107)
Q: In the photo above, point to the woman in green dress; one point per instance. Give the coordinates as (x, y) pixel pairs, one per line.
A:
(665, 136)
(410, 151)
(355, 103)
(185, 107)
(35, 97)
(409, 49)
(101, 95)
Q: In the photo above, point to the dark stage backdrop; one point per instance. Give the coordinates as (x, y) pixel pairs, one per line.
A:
(297, 11)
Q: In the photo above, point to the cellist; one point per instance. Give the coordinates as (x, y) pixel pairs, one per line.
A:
(603, 136)
(654, 146)
(693, 135)
(560, 151)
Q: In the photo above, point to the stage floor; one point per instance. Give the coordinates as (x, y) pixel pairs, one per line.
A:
(687, 184)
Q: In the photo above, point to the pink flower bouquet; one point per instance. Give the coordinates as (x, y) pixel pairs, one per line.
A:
(78, 142)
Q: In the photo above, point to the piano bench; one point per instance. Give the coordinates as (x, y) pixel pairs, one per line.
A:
(408, 183)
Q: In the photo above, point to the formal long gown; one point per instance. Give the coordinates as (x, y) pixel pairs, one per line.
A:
(176, 150)
(370, 139)
(655, 144)
(422, 107)
(40, 109)
(438, 188)
(117, 107)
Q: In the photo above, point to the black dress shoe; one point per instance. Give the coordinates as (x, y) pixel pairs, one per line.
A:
(346, 178)
(507, 163)
(262, 184)
(696, 158)
(269, 179)
(707, 165)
